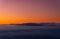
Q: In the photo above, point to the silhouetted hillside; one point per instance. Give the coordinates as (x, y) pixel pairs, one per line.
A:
(41, 24)
(31, 24)
(38, 24)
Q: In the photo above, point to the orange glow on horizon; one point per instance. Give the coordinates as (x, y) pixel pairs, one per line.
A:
(16, 12)
(26, 20)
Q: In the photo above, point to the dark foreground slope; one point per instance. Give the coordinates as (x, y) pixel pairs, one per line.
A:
(53, 33)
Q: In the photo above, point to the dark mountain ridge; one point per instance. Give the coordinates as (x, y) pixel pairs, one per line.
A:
(38, 24)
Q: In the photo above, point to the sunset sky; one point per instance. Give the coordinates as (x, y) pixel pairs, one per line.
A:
(22, 11)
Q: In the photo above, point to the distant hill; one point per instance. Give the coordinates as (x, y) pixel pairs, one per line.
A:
(31, 24)
(39, 24)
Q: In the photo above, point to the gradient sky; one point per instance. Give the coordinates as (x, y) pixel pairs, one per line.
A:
(21, 11)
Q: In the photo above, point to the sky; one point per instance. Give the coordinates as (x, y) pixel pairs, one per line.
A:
(22, 11)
